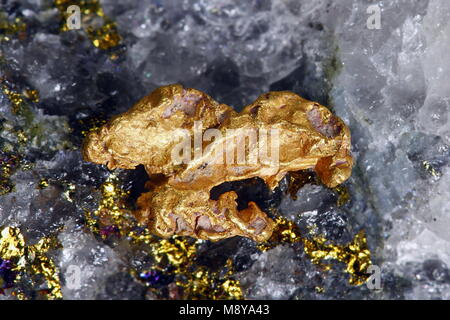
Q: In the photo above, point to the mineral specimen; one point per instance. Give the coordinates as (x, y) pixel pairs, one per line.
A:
(389, 85)
(301, 135)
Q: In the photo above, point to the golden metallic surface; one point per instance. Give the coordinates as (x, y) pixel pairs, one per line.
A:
(43, 183)
(205, 284)
(101, 30)
(41, 264)
(169, 211)
(8, 28)
(285, 232)
(90, 125)
(32, 95)
(31, 259)
(430, 169)
(310, 137)
(175, 255)
(12, 244)
(343, 195)
(20, 103)
(9, 163)
(112, 210)
(16, 99)
(233, 289)
(356, 254)
(177, 251)
(320, 289)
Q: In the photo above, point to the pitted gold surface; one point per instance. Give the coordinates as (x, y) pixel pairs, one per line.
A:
(310, 137)
(192, 212)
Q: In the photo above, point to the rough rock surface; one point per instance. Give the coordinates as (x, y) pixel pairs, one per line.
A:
(389, 85)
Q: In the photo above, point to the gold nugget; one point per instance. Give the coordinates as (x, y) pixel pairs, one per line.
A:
(192, 143)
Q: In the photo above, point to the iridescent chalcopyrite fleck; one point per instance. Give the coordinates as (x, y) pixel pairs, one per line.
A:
(309, 137)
